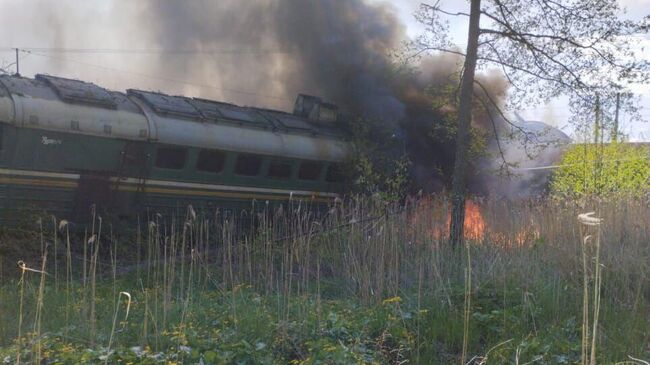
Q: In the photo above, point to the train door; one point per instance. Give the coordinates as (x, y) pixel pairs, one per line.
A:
(132, 174)
(117, 193)
(93, 193)
(8, 194)
(4, 196)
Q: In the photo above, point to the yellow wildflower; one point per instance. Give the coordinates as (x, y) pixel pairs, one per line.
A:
(395, 299)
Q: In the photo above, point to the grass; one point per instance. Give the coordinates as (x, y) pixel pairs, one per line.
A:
(365, 282)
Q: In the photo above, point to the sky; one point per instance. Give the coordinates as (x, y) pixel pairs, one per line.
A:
(23, 23)
(555, 113)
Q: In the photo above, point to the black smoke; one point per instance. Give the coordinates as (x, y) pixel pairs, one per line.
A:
(336, 49)
(346, 51)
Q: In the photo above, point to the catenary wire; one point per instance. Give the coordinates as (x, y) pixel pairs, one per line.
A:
(155, 51)
(155, 77)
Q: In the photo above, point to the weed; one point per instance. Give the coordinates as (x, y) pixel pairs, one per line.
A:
(364, 282)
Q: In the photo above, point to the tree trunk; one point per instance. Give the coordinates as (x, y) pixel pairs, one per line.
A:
(459, 181)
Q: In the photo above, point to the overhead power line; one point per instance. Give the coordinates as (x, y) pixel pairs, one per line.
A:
(551, 167)
(154, 77)
(165, 51)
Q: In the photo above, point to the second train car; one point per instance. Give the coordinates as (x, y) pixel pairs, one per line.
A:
(67, 145)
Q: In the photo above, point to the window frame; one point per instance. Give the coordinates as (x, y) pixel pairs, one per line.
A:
(253, 155)
(290, 163)
(320, 173)
(224, 162)
(178, 148)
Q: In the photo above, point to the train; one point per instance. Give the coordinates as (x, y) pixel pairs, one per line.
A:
(68, 147)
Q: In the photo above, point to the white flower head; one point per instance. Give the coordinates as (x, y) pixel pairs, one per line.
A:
(190, 208)
(589, 220)
(137, 350)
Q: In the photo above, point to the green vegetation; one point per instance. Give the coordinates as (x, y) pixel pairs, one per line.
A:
(365, 284)
(614, 169)
(379, 164)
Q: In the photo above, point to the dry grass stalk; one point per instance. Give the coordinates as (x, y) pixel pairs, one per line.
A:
(589, 351)
(126, 317)
(369, 250)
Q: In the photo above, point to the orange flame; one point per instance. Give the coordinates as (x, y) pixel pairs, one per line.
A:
(433, 215)
(474, 226)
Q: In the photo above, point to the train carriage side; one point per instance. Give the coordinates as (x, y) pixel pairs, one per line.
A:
(249, 156)
(66, 145)
(63, 141)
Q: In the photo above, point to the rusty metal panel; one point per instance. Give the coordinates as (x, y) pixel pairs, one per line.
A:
(288, 121)
(218, 111)
(75, 91)
(166, 104)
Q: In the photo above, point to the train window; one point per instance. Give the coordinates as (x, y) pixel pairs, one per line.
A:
(279, 169)
(171, 158)
(335, 174)
(310, 170)
(248, 165)
(211, 161)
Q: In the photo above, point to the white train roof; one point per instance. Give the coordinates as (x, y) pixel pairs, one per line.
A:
(54, 103)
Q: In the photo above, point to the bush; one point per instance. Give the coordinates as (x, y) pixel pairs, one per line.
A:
(603, 170)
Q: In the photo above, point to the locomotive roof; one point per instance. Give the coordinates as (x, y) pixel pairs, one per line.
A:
(84, 107)
(67, 90)
(220, 112)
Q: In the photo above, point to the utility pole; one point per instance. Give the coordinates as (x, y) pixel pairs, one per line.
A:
(597, 126)
(17, 63)
(602, 127)
(615, 129)
(598, 143)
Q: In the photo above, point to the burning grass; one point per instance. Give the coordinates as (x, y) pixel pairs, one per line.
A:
(366, 282)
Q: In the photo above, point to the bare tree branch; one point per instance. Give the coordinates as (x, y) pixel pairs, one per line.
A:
(437, 8)
(525, 133)
(488, 111)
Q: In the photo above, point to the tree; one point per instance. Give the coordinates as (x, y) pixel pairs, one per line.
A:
(613, 169)
(379, 164)
(544, 48)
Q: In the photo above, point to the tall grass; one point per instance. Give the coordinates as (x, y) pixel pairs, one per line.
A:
(523, 277)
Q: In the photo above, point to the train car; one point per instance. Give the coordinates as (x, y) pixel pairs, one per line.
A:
(68, 145)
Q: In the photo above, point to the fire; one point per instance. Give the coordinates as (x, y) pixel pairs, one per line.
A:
(432, 217)
(474, 227)
(432, 213)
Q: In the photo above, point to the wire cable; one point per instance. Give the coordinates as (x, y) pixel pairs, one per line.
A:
(551, 167)
(155, 51)
(155, 77)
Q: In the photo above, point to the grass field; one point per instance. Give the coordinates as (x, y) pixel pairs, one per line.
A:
(365, 283)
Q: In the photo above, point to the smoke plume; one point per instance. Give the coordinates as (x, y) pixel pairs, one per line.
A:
(334, 49)
(342, 51)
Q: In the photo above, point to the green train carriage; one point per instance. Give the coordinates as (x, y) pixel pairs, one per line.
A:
(67, 145)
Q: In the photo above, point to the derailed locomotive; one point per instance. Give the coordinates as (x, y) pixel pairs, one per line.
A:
(67, 145)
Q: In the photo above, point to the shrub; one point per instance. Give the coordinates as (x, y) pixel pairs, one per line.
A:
(603, 170)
